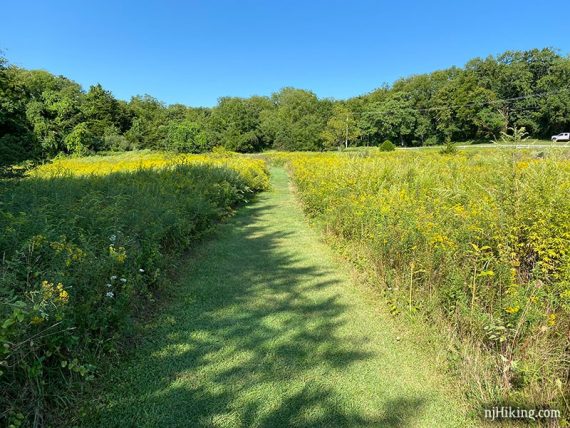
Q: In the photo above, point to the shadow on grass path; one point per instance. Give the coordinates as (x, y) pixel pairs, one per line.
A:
(266, 330)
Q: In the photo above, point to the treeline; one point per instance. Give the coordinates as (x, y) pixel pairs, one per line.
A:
(42, 115)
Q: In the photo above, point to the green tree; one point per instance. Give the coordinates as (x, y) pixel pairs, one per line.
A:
(297, 120)
(235, 123)
(148, 123)
(53, 108)
(529, 89)
(395, 119)
(187, 137)
(17, 141)
(554, 111)
(81, 140)
(387, 146)
(465, 110)
(341, 128)
(102, 112)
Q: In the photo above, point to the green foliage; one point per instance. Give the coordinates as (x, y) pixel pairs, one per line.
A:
(395, 118)
(81, 140)
(186, 137)
(53, 110)
(297, 121)
(387, 146)
(17, 141)
(102, 111)
(116, 143)
(235, 123)
(148, 130)
(15, 148)
(81, 255)
(431, 141)
(478, 102)
(448, 149)
(514, 135)
(341, 128)
(464, 104)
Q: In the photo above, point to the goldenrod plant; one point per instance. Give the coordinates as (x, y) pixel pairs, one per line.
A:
(86, 244)
(480, 240)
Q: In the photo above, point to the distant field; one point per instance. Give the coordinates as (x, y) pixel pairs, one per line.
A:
(146, 159)
(525, 143)
(531, 143)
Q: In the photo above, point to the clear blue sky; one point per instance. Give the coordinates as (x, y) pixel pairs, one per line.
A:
(196, 51)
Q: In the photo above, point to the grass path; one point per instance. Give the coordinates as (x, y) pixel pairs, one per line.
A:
(266, 330)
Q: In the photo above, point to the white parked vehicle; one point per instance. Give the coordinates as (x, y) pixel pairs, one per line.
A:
(565, 136)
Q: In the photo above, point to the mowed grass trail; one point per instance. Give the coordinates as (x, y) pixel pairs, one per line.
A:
(266, 330)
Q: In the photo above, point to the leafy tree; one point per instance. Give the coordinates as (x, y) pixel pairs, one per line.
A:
(516, 76)
(448, 149)
(554, 111)
(81, 140)
(148, 118)
(187, 137)
(464, 110)
(41, 114)
(102, 111)
(297, 120)
(513, 135)
(17, 142)
(395, 119)
(341, 127)
(53, 108)
(116, 143)
(235, 123)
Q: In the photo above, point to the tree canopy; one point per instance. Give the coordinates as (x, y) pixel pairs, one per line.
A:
(42, 115)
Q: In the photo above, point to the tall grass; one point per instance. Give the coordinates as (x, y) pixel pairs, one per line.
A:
(83, 250)
(480, 240)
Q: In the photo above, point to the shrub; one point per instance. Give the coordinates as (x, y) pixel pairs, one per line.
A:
(431, 141)
(513, 135)
(117, 143)
(387, 146)
(15, 149)
(448, 149)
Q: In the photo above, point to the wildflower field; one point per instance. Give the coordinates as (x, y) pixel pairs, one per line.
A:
(476, 243)
(474, 246)
(85, 245)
